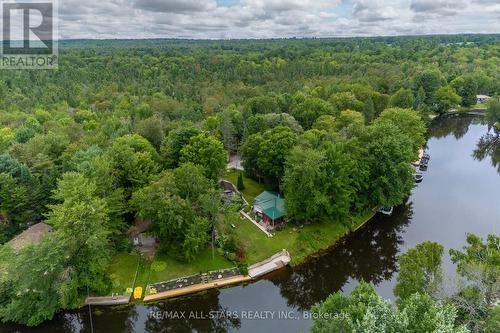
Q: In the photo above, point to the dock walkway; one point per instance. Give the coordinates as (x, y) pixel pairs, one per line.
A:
(196, 288)
(107, 300)
(279, 260)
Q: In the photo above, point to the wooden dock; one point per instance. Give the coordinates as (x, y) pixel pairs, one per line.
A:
(107, 300)
(278, 261)
(197, 288)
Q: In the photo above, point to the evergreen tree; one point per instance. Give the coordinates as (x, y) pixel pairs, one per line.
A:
(240, 185)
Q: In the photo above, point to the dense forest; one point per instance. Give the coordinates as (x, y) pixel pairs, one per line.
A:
(128, 130)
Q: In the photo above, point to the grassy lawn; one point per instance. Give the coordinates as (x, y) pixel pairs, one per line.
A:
(175, 269)
(163, 268)
(301, 243)
(252, 188)
(480, 106)
(122, 271)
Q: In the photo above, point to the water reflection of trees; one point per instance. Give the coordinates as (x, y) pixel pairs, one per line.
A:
(369, 254)
(488, 146)
(114, 319)
(198, 305)
(128, 319)
(63, 322)
(458, 126)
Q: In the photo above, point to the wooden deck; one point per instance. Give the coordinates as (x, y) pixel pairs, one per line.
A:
(261, 228)
(197, 288)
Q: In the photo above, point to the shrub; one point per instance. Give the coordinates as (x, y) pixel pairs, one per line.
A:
(158, 266)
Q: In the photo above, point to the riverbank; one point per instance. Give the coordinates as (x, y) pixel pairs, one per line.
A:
(369, 254)
(300, 242)
(472, 111)
(130, 270)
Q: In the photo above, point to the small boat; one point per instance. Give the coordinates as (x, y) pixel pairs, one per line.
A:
(419, 177)
(423, 167)
(386, 210)
(138, 293)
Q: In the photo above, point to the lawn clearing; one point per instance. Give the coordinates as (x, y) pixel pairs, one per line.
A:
(122, 271)
(300, 242)
(162, 268)
(175, 269)
(252, 188)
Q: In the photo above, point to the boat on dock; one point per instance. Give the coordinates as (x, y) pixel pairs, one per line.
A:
(386, 210)
(419, 177)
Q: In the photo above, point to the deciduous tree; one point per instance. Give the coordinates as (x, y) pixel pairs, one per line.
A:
(420, 270)
(207, 152)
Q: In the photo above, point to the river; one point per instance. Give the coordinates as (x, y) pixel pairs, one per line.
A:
(460, 193)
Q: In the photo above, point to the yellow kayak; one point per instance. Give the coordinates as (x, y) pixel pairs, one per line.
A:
(138, 293)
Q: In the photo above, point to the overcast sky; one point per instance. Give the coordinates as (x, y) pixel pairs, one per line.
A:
(273, 18)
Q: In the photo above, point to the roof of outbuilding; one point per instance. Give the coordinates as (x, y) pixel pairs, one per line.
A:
(139, 227)
(271, 203)
(31, 236)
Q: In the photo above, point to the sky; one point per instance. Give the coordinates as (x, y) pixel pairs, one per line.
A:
(221, 19)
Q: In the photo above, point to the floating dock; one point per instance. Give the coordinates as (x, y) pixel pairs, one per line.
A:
(107, 300)
(278, 261)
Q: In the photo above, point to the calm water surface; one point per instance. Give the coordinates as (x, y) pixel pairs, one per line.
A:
(460, 193)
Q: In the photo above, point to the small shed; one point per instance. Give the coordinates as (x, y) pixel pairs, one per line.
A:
(138, 233)
(144, 242)
(271, 207)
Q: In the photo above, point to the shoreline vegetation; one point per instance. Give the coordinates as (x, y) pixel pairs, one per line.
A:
(126, 148)
(303, 244)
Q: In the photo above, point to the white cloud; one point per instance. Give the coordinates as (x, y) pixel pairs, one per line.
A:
(274, 18)
(438, 7)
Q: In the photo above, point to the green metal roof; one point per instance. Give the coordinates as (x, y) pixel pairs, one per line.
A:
(271, 203)
(274, 213)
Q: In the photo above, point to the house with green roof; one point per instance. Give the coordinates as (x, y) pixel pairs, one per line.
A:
(270, 206)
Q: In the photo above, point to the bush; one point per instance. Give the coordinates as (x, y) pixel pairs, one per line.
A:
(158, 266)
(243, 269)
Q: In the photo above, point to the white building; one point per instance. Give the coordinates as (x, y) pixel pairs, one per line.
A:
(482, 98)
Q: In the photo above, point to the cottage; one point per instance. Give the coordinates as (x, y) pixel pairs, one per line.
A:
(31, 236)
(482, 98)
(144, 242)
(138, 234)
(270, 206)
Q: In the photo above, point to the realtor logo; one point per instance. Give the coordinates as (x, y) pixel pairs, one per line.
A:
(29, 38)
